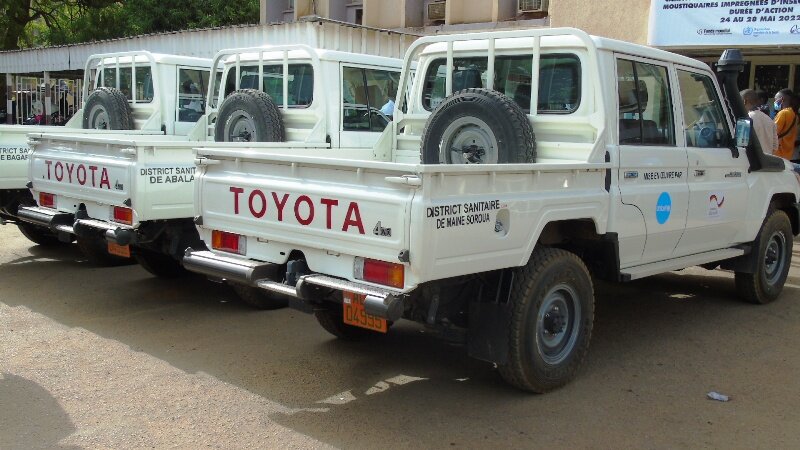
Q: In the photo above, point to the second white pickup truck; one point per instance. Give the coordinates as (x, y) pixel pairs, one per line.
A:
(124, 196)
(519, 165)
(126, 93)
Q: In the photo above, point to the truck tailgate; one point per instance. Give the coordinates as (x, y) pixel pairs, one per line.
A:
(323, 207)
(151, 173)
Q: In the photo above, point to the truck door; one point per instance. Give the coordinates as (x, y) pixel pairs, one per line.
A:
(718, 190)
(367, 104)
(652, 173)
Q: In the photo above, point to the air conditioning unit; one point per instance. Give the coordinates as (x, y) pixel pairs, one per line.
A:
(436, 10)
(532, 6)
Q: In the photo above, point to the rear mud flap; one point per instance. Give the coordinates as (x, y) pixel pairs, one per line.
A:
(489, 320)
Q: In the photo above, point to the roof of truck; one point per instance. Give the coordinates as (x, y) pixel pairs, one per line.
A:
(301, 52)
(159, 58)
(569, 38)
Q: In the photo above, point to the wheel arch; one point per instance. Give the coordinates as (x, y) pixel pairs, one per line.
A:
(787, 202)
(599, 250)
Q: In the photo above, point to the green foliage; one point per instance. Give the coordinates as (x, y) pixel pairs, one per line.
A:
(31, 23)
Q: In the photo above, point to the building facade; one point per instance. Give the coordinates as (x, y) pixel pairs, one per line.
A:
(696, 28)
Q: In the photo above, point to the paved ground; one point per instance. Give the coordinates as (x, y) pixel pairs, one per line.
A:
(117, 358)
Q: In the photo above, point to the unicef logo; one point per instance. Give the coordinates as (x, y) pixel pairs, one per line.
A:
(663, 208)
(794, 30)
(747, 31)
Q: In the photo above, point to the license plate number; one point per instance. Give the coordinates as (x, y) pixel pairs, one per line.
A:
(119, 250)
(356, 315)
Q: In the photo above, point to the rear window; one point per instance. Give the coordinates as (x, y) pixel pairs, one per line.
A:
(559, 90)
(301, 83)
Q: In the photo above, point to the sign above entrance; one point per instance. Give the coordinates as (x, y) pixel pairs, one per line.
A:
(691, 23)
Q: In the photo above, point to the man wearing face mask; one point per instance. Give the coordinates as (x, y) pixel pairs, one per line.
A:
(763, 126)
(786, 121)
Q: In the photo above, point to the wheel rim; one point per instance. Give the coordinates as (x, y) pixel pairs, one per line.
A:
(557, 324)
(775, 257)
(240, 127)
(99, 117)
(468, 140)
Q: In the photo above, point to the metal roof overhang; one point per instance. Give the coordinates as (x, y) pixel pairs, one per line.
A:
(204, 43)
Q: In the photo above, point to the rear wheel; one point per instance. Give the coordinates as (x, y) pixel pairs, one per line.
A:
(38, 235)
(331, 317)
(159, 264)
(774, 246)
(259, 298)
(551, 321)
(96, 251)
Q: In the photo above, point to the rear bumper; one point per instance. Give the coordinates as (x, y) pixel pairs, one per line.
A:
(379, 302)
(49, 218)
(62, 222)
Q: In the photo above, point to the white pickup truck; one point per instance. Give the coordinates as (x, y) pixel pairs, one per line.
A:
(113, 77)
(519, 164)
(132, 195)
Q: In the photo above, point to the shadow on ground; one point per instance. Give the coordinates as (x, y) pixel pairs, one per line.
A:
(657, 342)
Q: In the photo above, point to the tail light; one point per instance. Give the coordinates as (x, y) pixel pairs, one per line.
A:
(47, 200)
(123, 215)
(228, 242)
(380, 272)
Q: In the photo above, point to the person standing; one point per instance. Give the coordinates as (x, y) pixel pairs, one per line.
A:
(765, 128)
(786, 121)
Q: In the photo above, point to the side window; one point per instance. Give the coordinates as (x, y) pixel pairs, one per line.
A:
(559, 89)
(703, 117)
(645, 108)
(192, 84)
(109, 78)
(467, 73)
(144, 82)
(367, 98)
(144, 85)
(300, 86)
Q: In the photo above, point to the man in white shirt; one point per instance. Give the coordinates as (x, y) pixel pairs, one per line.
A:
(764, 127)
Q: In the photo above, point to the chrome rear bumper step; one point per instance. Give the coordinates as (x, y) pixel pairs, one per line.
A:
(380, 302)
(120, 234)
(46, 217)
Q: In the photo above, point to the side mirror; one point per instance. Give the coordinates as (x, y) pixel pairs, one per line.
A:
(743, 129)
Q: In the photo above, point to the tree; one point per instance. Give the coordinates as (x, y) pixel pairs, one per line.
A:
(17, 15)
(31, 23)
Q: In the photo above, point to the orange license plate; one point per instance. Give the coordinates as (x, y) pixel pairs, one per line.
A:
(119, 250)
(354, 314)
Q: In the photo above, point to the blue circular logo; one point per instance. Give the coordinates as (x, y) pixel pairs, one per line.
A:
(663, 208)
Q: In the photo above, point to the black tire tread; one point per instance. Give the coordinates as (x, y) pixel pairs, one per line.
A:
(749, 284)
(120, 115)
(159, 264)
(527, 279)
(267, 111)
(330, 318)
(510, 111)
(259, 298)
(38, 235)
(95, 250)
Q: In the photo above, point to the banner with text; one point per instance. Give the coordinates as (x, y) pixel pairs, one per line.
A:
(687, 23)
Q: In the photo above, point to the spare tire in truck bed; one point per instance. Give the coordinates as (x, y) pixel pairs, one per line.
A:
(107, 109)
(478, 126)
(249, 115)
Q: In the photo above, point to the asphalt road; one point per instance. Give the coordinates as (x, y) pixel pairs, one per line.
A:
(113, 357)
